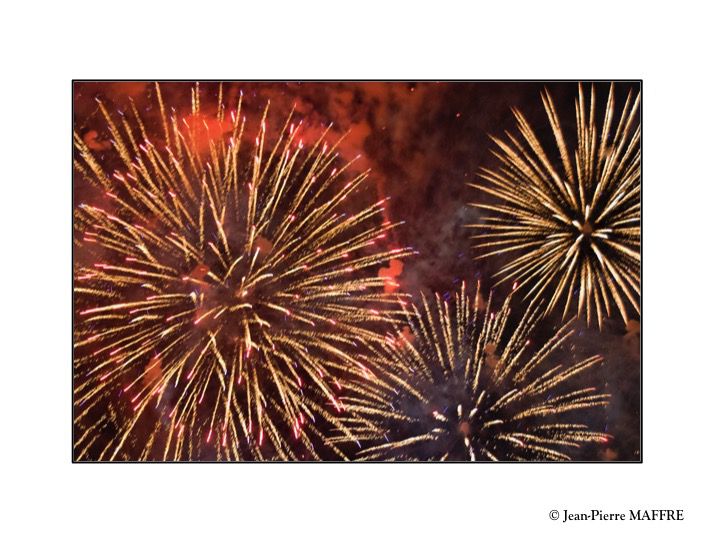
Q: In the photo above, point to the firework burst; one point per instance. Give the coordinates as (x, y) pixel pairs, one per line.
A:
(459, 383)
(570, 218)
(220, 291)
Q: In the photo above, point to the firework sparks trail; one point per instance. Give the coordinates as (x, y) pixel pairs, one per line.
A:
(571, 223)
(463, 384)
(227, 293)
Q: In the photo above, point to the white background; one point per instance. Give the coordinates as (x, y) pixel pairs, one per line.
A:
(672, 48)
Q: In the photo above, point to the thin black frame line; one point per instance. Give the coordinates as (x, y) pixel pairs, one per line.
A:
(252, 81)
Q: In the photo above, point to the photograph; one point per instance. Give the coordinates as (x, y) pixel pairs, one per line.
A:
(341, 271)
(357, 271)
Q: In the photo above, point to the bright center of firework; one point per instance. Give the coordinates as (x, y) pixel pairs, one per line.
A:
(587, 228)
(240, 306)
(464, 428)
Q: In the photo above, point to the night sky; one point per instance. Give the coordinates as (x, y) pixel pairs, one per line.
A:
(423, 142)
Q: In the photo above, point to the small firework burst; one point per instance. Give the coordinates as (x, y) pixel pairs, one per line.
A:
(460, 383)
(220, 291)
(570, 217)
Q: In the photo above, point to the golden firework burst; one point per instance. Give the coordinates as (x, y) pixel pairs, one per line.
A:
(570, 216)
(459, 382)
(220, 291)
